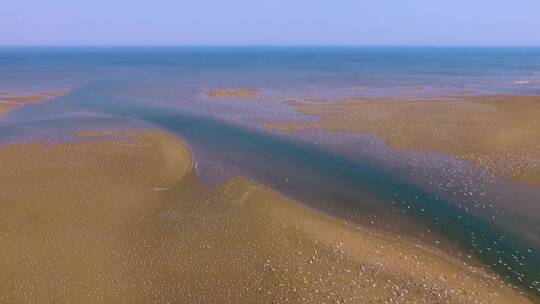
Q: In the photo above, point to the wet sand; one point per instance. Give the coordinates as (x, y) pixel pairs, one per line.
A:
(120, 217)
(233, 93)
(9, 102)
(500, 133)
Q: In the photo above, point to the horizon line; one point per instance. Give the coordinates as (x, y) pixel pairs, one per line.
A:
(266, 45)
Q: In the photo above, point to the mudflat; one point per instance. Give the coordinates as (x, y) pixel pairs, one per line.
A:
(120, 217)
(500, 133)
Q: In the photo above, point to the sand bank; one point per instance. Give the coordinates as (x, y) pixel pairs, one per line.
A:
(233, 93)
(501, 134)
(10, 102)
(6, 107)
(121, 218)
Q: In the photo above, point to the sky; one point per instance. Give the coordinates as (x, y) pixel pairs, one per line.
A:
(270, 22)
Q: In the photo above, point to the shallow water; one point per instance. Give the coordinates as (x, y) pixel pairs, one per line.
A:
(352, 176)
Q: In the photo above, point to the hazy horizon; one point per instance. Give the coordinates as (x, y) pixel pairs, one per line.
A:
(270, 23)
(97, 46)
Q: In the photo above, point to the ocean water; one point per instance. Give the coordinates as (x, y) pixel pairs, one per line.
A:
(305, 70)
(353, 176)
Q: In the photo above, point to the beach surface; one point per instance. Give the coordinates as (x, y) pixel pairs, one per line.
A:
(120, 217)
(499, 133)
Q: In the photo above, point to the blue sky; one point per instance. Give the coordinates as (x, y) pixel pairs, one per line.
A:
(270, 22)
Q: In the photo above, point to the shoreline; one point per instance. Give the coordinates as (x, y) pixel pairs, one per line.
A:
(263, 237)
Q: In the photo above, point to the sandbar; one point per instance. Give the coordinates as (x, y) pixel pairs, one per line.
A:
(243, 93)
(120, 217)
(9, 102)
(499, 133)
(6, 107)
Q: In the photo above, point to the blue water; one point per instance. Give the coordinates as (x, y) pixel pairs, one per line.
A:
(165, 88)
(378, 71)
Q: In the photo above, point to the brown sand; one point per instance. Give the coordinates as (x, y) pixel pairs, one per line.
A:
(6, 107)
(233, 93)
(501, 134)
(123, 220)
(9, 102)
